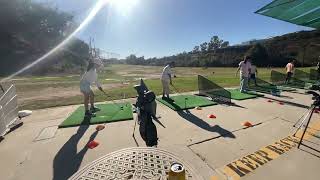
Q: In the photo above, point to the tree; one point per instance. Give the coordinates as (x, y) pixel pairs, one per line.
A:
(258, 55)
(225, 44)
(214, 43)
(29, 29)
(132, 59)
(196, 49)
(204, 47)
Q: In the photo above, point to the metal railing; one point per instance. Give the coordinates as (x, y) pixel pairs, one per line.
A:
(8, 110)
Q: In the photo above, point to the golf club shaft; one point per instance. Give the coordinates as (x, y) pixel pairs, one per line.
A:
(113, 101)
(175, 89)
(134, 129)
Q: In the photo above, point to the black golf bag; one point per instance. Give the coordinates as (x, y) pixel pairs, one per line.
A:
(146, 110)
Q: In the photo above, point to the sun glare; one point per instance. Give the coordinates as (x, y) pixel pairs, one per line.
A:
(124, 7)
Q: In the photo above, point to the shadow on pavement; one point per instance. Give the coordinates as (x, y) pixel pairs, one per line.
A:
(286, 97)
(67, 161)
(288, 103)
(309, 149)
(233, 105)
(187, 115)
(220, 102)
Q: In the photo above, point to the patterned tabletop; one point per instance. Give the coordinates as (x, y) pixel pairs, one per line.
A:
(133, 163)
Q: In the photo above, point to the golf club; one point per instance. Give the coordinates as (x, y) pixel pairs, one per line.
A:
(175, 89)
(134, 129)
(120, 107)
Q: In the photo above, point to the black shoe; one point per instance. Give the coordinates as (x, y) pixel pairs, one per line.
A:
(94, 109)
(89, 114)
(171, 100)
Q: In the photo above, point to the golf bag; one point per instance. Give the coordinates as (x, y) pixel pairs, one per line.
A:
(146, 110)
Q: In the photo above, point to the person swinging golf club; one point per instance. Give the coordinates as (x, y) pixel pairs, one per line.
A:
(166, 80)
(89, 78)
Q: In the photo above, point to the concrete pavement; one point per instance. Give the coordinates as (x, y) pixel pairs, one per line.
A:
(207, 144)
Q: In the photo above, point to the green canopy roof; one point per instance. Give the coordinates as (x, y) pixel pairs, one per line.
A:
(301, 12)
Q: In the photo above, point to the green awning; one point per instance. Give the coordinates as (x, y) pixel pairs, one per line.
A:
(301, 12)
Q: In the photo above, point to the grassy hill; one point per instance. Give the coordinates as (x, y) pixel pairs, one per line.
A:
(276, 51)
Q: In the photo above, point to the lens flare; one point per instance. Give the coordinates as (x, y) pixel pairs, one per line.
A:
(123, 7)
(96, 8)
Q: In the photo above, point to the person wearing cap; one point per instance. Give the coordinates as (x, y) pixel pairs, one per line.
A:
(166, 80)
(89, 78)
(289, 69)
(245, 69)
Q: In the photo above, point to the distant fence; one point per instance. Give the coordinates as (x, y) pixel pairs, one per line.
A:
(8, 108)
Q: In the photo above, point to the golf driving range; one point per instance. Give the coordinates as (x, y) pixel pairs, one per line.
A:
(220, 142)
(214, 137)
(159, 90)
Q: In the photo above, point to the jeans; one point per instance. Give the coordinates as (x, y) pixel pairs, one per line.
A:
(243, 83)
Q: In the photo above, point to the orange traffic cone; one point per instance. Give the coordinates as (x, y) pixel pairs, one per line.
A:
(92, 144)
(212, 116)
(100, 127)
(247, 124)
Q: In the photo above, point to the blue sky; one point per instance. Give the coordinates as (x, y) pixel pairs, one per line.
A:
(156, 28)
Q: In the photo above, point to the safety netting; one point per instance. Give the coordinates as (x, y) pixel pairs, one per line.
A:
(263, 87)
(279, 79)
(301, 12)
(213, 90)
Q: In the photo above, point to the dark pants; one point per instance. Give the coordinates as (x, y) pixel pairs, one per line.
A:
(289, 75)
(252, 77)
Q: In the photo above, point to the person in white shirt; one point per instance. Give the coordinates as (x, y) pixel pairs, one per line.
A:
(244, 68)
(290, 69)
(89, 78)
(166, 80)
(253, 74)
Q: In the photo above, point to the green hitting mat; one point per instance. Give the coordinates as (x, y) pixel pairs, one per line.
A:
(237, 95)
(182, 102)
(274, 90)
(267, 87)
(272, 87)
(283, 88)
(266, 90)
(109, 113)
